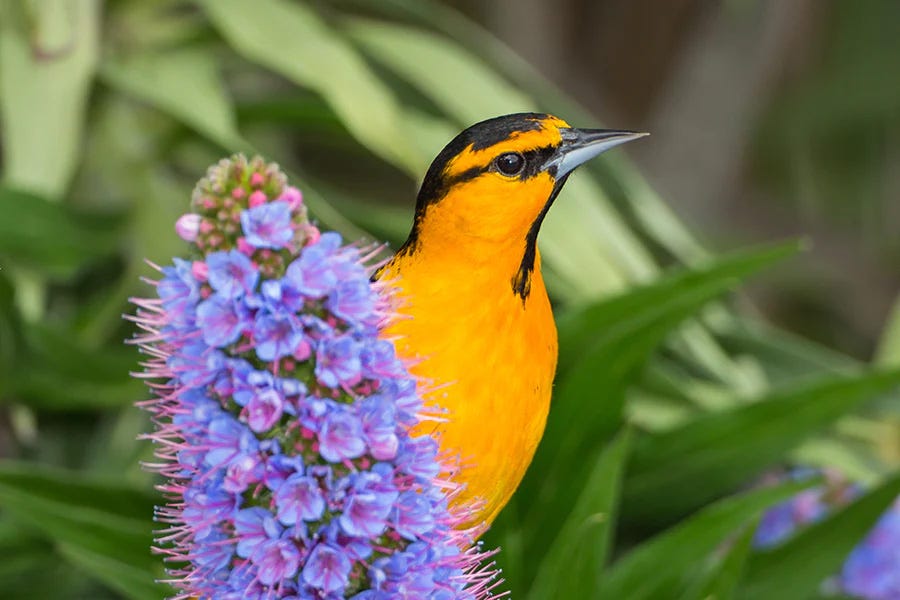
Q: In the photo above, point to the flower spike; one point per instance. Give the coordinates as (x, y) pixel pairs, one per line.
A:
(283, 419)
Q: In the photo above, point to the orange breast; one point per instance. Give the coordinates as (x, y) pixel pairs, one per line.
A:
(490, 358)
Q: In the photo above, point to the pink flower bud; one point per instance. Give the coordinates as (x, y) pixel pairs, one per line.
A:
(200, 270)
(312, 234)
(256, 198)
(188, 226)
(244, 246)
(293, 197)
(238, 193)
(257, 179)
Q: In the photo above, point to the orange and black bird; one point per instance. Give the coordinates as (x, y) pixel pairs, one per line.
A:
(479, 328)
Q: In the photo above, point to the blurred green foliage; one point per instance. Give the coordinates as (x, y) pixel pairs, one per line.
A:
(669, 402)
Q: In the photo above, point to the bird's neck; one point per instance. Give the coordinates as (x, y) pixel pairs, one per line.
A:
(499, 266)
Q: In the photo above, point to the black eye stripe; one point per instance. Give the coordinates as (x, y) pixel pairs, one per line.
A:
(534, 162)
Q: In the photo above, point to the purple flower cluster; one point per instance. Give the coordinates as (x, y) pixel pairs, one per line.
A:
(872, 570)
(283, 419)
(809, 506)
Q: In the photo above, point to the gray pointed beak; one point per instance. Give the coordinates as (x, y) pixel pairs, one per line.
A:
(581, 145)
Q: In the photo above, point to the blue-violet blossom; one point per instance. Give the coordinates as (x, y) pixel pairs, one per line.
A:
(283, 421)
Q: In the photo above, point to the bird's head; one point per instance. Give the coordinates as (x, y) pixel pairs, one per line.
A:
(491, 186)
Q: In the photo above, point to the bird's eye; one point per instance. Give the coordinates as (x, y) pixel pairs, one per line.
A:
(510, 163)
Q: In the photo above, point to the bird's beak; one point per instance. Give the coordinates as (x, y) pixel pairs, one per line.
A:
(580, 145)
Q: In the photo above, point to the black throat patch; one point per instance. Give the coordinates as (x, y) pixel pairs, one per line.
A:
(521, 280)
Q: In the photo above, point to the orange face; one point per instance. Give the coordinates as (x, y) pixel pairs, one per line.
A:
(494, 193)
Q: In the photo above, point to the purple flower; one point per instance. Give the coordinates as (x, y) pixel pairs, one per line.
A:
(220, 321)
(252, 527)
(378, 420)
(205, 507)
(341, 437)
(243, 472)
(312, 274)
(415, 457)
(379, 359)
(276, 560)
(369, 503)
(413, 515)
(352, 300)
(872, 570)
(231, 274)
(264, 410)
(327, 569)
(213, 551)
(228, 440)
(276, 337)
(268, 225)
(338, 362)
(299, 499)
(179, 292)
(277, 294)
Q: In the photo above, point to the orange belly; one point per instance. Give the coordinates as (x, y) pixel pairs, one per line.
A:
(487, 359)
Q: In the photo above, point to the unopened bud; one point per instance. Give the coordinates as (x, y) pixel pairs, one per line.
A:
(188, 226)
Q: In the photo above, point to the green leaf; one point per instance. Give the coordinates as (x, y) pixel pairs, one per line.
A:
(612, 339)
(185, 84)
(48, 53)
(784, 356)
(10, 332)
(121, 575)
(589, 399)
(57, 372)
(674, 472)
(51, 237)
(721, 581)
(292, 40)
(441, 69)
(104, 525)
(579, 328)
(796, 568)
(572, 566)
(674, 553)
(888, 353)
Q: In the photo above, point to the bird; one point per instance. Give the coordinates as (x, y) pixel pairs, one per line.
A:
(474, 319)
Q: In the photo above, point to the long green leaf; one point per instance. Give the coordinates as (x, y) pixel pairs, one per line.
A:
(720, 582)
(292, 40)
(571, 567)
(795, 569)
(117, 572)
(888, 353)
(50, 237)
(10, 332)
(57, 372)
(48, 53)
(676, 552)
(676, 471)
(183, 83)
(578, 328)
(104, 524)
(613, 340)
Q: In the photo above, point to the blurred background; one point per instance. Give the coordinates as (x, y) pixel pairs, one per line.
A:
(770, 121)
